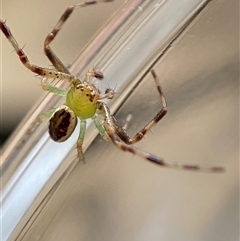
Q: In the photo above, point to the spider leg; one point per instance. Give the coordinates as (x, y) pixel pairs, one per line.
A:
(40, 119)
(81, 135)
(100, 128)
(121, 131)
(109, 94)
(113, 135)
(94, 73)
(44, 72)
(33, 126)
(53, 89)
(57, 63)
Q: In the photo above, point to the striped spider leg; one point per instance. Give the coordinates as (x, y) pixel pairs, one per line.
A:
(122, 140)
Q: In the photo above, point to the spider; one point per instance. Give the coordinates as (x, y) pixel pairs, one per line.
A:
(83, 100)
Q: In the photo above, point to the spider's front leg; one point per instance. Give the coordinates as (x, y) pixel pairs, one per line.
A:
(121, 131)
(109, 126)
(53, 89)
(57, 63)
(44, 72)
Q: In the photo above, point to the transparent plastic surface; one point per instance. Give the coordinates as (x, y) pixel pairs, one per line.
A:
(139, 35)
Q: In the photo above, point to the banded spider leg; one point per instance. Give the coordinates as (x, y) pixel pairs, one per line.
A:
(122, 140)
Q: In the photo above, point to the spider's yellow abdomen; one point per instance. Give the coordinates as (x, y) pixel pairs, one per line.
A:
(82, 99)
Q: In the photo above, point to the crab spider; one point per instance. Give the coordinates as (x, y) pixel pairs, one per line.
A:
(83, 100)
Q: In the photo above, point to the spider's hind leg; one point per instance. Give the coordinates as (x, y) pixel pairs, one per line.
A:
(110, 129)
(121, 131)
(33, 126)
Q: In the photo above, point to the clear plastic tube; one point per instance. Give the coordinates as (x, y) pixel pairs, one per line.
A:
(124, 50)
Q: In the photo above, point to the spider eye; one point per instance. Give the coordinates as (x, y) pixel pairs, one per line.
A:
(62, 124)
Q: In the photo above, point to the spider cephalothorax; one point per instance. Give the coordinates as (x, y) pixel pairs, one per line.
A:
(82, 99)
